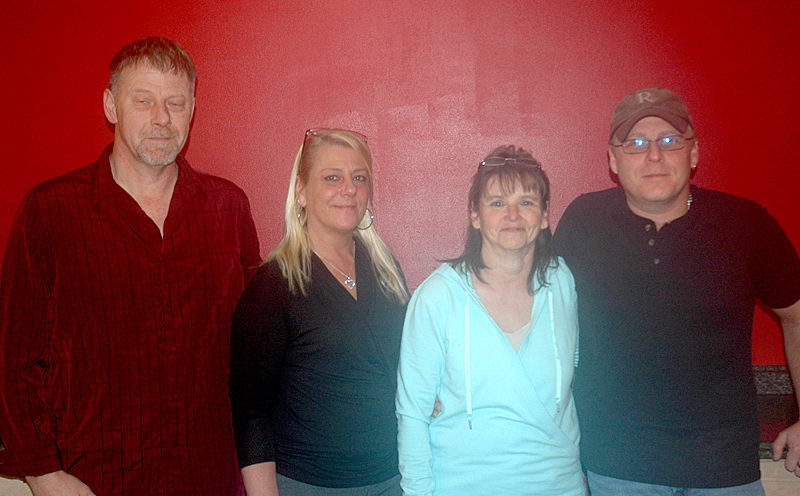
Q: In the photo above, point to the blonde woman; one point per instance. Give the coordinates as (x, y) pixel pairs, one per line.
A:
(316, 336)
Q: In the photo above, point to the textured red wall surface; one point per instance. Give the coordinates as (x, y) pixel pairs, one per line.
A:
(434, 84)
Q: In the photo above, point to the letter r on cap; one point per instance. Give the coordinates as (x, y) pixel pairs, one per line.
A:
(645, 96)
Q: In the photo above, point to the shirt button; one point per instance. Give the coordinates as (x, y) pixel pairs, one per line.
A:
(651, 242)
(648, 227)
(656, 261)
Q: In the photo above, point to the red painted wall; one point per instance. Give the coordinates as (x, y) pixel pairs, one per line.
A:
(434, 84)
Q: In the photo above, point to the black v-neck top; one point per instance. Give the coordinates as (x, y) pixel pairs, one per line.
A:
(313, 377)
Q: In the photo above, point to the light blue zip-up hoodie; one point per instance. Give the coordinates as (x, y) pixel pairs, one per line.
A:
(508, 424)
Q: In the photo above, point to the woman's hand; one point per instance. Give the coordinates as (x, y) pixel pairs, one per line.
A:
(437, 408)
(260, 479)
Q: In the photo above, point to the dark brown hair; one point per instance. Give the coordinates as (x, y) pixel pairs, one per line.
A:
(518, 168)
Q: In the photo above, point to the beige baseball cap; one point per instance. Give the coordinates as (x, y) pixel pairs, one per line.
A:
(657, 102)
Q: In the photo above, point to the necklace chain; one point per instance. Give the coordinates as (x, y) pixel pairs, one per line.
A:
(349, 282)
(689, 202)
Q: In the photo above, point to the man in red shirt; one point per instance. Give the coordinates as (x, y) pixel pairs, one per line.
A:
(118, 286)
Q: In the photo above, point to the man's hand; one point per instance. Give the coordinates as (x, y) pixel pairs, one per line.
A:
(789, 437)
(58, 484)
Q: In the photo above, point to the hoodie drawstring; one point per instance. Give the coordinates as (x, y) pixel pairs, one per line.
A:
(467, 357)
(467, 371)
(555, 352)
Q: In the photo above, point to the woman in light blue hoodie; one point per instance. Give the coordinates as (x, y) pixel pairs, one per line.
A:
(492, 336)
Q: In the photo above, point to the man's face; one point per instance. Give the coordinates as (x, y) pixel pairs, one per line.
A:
(152, 111)
(656, 180)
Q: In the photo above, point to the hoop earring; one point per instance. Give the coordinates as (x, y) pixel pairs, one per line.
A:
(301, 217)
(371, 220)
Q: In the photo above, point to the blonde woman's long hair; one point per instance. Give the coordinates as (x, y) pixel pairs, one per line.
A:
(293, 253)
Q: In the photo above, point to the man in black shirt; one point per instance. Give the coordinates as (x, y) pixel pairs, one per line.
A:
(667, 276)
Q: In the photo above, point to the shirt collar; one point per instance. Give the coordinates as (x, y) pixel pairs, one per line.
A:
(626, 215)
(187, 185)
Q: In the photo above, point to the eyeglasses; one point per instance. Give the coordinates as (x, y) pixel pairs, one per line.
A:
(665, 143)
(501, 161)
(327, 131)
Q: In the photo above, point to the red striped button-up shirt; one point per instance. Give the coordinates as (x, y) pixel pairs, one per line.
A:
(114, 341)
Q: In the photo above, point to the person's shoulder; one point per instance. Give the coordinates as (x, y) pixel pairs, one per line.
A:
(82, 177)
(269, 273)
(721, 199)
(595, 199)
(559, 275)
(444, 280)
(445, 274)
(68, 187)
(559, 269)
(266, 294)
(590, 209)
(718, 205)
(211, 182)
(216, 186)
(267, 282)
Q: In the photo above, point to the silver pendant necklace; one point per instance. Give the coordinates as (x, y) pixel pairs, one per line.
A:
(348, 281)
